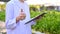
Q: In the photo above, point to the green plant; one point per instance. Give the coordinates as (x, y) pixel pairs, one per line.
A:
(50, 23)
(2, 15)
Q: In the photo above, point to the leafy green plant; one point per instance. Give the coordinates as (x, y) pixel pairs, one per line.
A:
(50, 23)
(2, 15)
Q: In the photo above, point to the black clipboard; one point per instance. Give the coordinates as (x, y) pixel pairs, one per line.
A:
(37, 17)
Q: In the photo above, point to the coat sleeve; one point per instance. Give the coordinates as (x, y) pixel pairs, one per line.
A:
(10, 19)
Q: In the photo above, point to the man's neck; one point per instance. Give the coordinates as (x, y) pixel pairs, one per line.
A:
(22, 1)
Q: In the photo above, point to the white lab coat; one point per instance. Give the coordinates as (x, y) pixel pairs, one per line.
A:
(13, 8)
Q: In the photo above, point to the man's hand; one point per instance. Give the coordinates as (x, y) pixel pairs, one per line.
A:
(38, 18)
(21, 16)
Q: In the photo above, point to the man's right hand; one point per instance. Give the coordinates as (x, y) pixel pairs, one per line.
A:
(22, 16)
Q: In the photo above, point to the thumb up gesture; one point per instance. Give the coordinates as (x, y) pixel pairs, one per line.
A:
(21, 16)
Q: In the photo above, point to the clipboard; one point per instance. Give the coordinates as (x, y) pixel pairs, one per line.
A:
(37, 17)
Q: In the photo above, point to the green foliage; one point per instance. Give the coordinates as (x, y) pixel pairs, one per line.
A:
(33, 7)
(2, 15)
(50, 23)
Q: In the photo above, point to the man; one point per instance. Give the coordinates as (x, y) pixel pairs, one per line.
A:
(17, 14)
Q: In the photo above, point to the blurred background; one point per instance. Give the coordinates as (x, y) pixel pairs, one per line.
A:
(50, 24)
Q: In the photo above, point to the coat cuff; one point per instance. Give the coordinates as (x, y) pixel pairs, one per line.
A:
(12, 24)
(33, 22)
